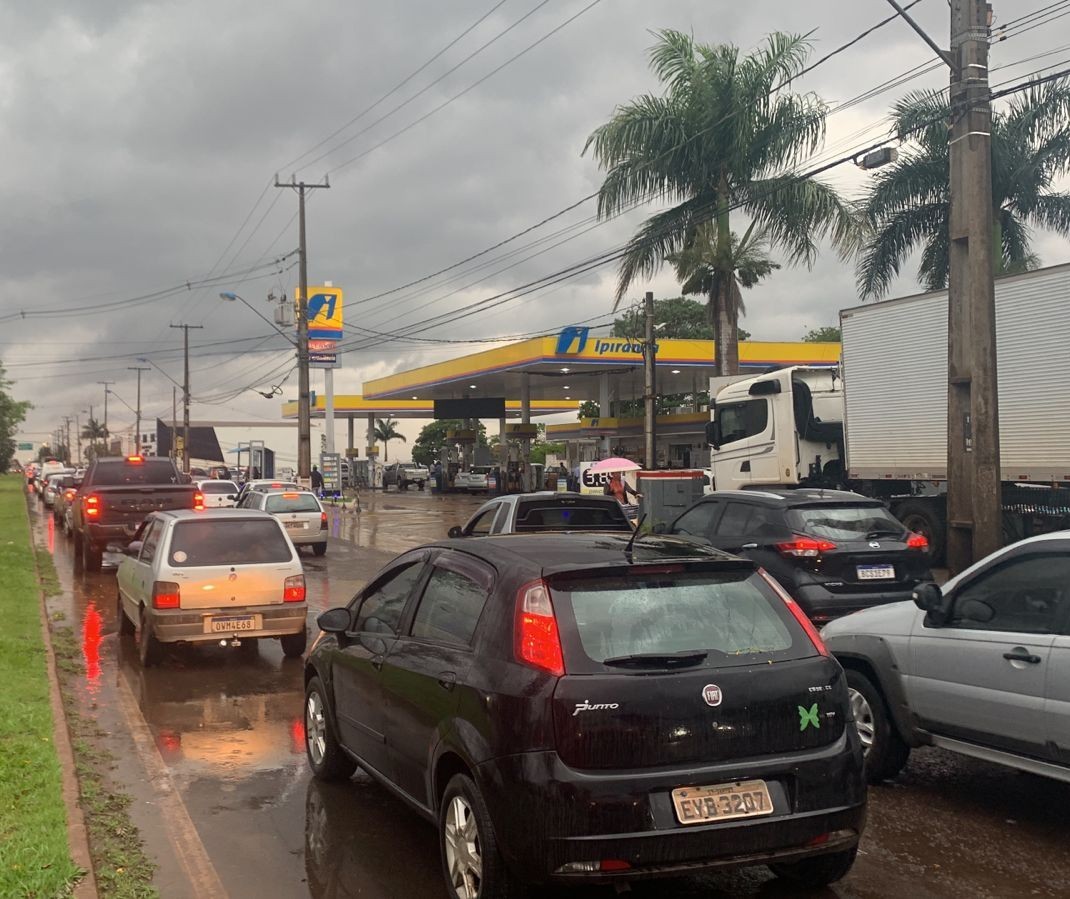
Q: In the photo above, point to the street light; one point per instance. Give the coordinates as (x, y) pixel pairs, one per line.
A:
(304, 412)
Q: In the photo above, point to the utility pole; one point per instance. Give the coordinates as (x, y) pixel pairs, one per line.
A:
(67, 442)
(974, 483)
(650, 420)
(174, 417)
(185, 393)
(137, 412)
(304, 412)
(107, 434)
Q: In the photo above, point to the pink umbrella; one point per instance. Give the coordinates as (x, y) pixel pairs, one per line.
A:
(616, 463)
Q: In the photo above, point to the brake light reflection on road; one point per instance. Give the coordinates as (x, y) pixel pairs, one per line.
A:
(297, 736)
(91, 633)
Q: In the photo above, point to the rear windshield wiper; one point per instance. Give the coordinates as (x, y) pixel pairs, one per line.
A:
(658, 659)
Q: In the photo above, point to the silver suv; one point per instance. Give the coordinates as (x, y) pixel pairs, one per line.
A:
(981, 667)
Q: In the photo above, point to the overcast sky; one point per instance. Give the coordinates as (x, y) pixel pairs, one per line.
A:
(140, 140)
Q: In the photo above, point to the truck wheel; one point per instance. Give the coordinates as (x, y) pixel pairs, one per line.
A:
(421, 484)
(91, 556)
(149, 649)
(126, 626)
(928, 520)
(885, 751)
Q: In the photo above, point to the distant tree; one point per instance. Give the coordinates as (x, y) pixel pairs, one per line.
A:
(432, 438)
(386, 429)
(12, 414)
(825, 334)
(97, 435)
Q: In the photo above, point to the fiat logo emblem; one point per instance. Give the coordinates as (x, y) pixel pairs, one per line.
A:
(712, 694)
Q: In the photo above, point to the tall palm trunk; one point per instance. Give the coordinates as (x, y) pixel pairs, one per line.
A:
(386, 451)
(725, 301)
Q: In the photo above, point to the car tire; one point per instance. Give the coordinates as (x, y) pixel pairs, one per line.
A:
(293, 645)
(126, 626)
(819, 871)
(885, 750)
(320, 549)
(465, 830)
(91, 556)
(149, 648)
(326, 757)
(421, 484)
(926, 519)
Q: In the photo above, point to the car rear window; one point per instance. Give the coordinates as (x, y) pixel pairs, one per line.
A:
(846, 522)
(230, 541)
(292, 502)
(550, 517)
(114, 474)
(732, 615)
(219, 487)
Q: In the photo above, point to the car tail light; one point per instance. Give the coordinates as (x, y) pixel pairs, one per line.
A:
(198, 502)
(805, 623)
(805, 547)
(323, 521)
(92, 506)
(68, 494)
(538, 642)
(135, 459)
(165, 595)
(293, 589)
(917, 541)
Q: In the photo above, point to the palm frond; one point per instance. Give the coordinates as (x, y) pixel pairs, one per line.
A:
(796, 212)
(1016, 255)
(1052, 211)
(884, 253)
(922, 116)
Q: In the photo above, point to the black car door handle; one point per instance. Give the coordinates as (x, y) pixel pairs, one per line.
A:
(447, 680)
(1020, 655)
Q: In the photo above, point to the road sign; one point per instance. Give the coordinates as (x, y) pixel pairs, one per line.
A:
(25, 447)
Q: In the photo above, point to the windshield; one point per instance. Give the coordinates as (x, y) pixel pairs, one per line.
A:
(847, 522)
(219, 487)
(230, 541)
(112, 474)
(733, 616)
(292, 502)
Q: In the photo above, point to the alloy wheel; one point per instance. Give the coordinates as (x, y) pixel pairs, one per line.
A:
(315, 728)
(464, 856)
(863, 716)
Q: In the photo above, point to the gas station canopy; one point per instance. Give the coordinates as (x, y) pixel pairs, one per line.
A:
(356, 406)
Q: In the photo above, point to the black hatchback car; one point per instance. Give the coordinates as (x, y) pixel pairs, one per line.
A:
(591, 707)
(835, 552)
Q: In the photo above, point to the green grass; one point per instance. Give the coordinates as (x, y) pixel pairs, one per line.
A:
(34, 856)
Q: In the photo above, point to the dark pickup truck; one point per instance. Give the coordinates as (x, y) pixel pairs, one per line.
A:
(115, 497)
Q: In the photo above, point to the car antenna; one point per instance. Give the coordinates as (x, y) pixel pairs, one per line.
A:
(633, 538)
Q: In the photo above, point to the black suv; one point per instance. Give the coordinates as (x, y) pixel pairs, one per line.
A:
(835, 552)
(591, 707)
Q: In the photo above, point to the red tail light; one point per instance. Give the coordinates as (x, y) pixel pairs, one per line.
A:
(68, 494)
(917, 541)
(293, 589)
(799, 614)
(135, 459)
(538, 642)
(198, 502)
(165, 595)
(806, 547)
(92, 506)
(323, 521)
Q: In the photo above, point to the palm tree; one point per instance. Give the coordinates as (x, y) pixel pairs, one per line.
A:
(94, 431)
(387, 430)
(907, 206)
(719, 139)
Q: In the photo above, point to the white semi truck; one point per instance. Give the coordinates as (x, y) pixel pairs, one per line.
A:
(878, 423)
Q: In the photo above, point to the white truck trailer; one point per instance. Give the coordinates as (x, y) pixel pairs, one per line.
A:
(878, 424)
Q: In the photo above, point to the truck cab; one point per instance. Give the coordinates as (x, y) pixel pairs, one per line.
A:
(784, 428)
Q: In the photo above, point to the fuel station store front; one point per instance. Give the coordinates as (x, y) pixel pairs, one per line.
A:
(575, 366)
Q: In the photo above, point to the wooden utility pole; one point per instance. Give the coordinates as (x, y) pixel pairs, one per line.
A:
(107, 434)
(67, 442)
(185, 394)
(974, 492)
(304, 412)
(137, 412)
(650, 399)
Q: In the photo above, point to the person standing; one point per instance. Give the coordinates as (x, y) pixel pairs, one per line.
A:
(317, 480)
(620, 489)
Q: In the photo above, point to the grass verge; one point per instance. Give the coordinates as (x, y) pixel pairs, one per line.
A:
(35, 859)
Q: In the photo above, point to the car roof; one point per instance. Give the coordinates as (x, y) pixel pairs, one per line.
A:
(785, 499)
(535, 554)
(202, 514)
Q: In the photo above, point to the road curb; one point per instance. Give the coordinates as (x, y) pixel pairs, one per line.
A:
(77, 834)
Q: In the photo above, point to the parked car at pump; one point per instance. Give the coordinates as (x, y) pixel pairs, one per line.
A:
(218, 494)
(219, 575)
(300, 511)
(545, 511)
(586, 708)
(473, 480)
(835, 552)
(980, 667)
(401, 474)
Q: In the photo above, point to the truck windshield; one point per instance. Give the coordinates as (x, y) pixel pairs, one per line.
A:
(738, 421)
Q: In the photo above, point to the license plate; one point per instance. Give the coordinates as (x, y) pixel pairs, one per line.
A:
(295, 525)
(743, 799)
(876, 572)
(232, 624)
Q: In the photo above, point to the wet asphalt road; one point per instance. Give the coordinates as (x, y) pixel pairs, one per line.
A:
(210, 746)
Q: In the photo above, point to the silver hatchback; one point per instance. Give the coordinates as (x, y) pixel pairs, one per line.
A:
(300, 512)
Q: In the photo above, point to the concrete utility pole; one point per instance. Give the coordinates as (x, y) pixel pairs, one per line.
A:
(67, 442)
(974, 483)
(304, 412)
(650, 408)
(137, 412)
(107, 434)
(185, 393)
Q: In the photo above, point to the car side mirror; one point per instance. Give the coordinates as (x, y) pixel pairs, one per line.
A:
(232, 496)
(713, 436)
(132, 549)
(928, 597)
(334, 621)
(455, 532)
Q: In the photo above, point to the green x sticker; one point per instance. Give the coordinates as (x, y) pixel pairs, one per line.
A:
(808, 716)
